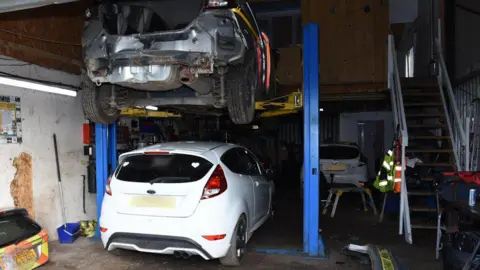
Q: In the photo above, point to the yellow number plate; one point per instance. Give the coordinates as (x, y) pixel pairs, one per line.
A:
(26, 257)
(166, 202)
(336, 167)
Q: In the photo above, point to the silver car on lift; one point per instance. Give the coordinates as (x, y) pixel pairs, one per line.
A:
(187, 56)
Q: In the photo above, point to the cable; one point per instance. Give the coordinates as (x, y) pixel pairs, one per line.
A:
(38, 38)
(39, 81)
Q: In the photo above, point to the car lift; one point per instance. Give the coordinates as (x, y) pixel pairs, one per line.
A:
(278, 106)
(106, 156)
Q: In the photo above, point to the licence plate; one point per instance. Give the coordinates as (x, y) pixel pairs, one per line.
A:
(336, 167)
(26, 257)
(166, 202)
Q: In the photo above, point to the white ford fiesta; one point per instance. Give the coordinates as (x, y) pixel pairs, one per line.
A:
(186, 198)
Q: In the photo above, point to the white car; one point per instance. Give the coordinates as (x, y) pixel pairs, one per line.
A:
(186, 198)
(342, 163)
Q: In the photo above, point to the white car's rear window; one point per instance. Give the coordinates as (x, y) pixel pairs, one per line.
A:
(174, 168)
(338, 152)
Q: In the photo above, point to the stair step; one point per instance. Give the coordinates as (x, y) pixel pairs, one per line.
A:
(427, 126)
(428, 137)
(420, 94)
(429, 150)
(419, 83)
(434, 165)
(424, 226)
(424, 104)
(421, 193)
(424, 115)
(423, 209)
(428, 178)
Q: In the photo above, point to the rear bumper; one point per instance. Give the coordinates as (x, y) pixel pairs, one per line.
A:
(344, 178)
(142, 58)
(155, 244)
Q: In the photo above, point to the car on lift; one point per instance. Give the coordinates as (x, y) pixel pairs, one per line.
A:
(23, 243)
(186, 198)
(187, 56)
(341, 163)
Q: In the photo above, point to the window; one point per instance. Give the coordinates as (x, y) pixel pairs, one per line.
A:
(176, 168)
(338, 152)
(240, 161)
(409, 63)
(15, 228)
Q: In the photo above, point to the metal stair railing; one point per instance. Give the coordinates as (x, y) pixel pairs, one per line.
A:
(396, 96)
(458, 127)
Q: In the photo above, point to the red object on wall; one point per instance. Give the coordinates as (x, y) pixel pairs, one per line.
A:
(87, 133)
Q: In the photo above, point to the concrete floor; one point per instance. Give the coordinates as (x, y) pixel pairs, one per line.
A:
(350, 225)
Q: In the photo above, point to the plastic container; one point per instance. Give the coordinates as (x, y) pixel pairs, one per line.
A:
(69, 233)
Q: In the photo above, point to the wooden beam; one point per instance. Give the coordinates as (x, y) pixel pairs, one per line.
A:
(7, 45)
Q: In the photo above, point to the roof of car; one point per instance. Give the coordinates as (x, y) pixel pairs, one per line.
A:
(353, 144)
(9, 210)
(192, 146)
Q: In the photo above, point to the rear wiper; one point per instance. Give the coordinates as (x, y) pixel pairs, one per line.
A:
(170, 179)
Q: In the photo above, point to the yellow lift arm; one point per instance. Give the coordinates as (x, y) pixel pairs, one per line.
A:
(148, 113)
(288, 104)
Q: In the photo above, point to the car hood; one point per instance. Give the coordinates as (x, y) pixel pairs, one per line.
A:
(15, 5)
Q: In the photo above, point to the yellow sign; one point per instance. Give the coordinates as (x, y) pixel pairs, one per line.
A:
(336, 167)
(387, 263)
(166, 202)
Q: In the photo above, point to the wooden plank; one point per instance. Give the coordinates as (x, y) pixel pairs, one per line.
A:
(353, 39)
(52, 30)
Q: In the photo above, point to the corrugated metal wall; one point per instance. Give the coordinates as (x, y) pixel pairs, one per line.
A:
(467, 96)
(292, 131)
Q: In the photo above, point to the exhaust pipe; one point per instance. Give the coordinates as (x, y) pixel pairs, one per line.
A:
(185, 255)
(181, 254)
(177, 254)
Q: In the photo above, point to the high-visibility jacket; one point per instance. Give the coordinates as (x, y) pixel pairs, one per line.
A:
(385, 177)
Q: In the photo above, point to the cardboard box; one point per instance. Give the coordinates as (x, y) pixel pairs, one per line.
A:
(290, 70)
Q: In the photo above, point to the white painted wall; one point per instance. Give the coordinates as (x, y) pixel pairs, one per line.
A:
(349, 128)
(42, 115)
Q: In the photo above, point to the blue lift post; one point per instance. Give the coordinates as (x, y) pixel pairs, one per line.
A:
(105, 154)
(312, 242)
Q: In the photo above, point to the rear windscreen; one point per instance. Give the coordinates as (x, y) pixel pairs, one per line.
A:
(16, 228)
(338, 152)
(176, 168)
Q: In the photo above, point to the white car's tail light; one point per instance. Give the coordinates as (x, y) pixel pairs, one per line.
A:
(216, 185)
(108, 189)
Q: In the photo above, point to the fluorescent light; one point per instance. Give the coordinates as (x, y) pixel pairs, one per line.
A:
(37, 86)
(321, 109)
(151, 108)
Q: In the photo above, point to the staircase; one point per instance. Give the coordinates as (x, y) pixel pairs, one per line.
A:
(428, 139)
(430, 127)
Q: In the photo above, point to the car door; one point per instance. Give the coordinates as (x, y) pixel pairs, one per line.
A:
(242, 183)
(261, 185)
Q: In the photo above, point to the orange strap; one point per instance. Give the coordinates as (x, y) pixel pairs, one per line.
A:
(267, 49)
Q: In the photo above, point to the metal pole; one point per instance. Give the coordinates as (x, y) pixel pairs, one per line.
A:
(100, 167)
(312, 243)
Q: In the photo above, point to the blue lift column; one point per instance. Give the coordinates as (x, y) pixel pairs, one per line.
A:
(312, 242)
(105, 155)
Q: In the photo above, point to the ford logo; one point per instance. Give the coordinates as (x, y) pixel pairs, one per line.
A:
(151, 191)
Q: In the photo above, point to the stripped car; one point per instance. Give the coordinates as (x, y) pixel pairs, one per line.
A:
(23, 243)
(186, 56)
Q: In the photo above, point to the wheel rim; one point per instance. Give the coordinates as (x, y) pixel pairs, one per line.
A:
(104, 100)
(241, 240)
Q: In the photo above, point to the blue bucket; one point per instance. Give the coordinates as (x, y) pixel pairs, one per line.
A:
(68, 233)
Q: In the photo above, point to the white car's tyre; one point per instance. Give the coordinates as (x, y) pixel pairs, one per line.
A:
(238, 244)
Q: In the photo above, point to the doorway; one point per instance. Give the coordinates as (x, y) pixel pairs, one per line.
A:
(371, 141)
